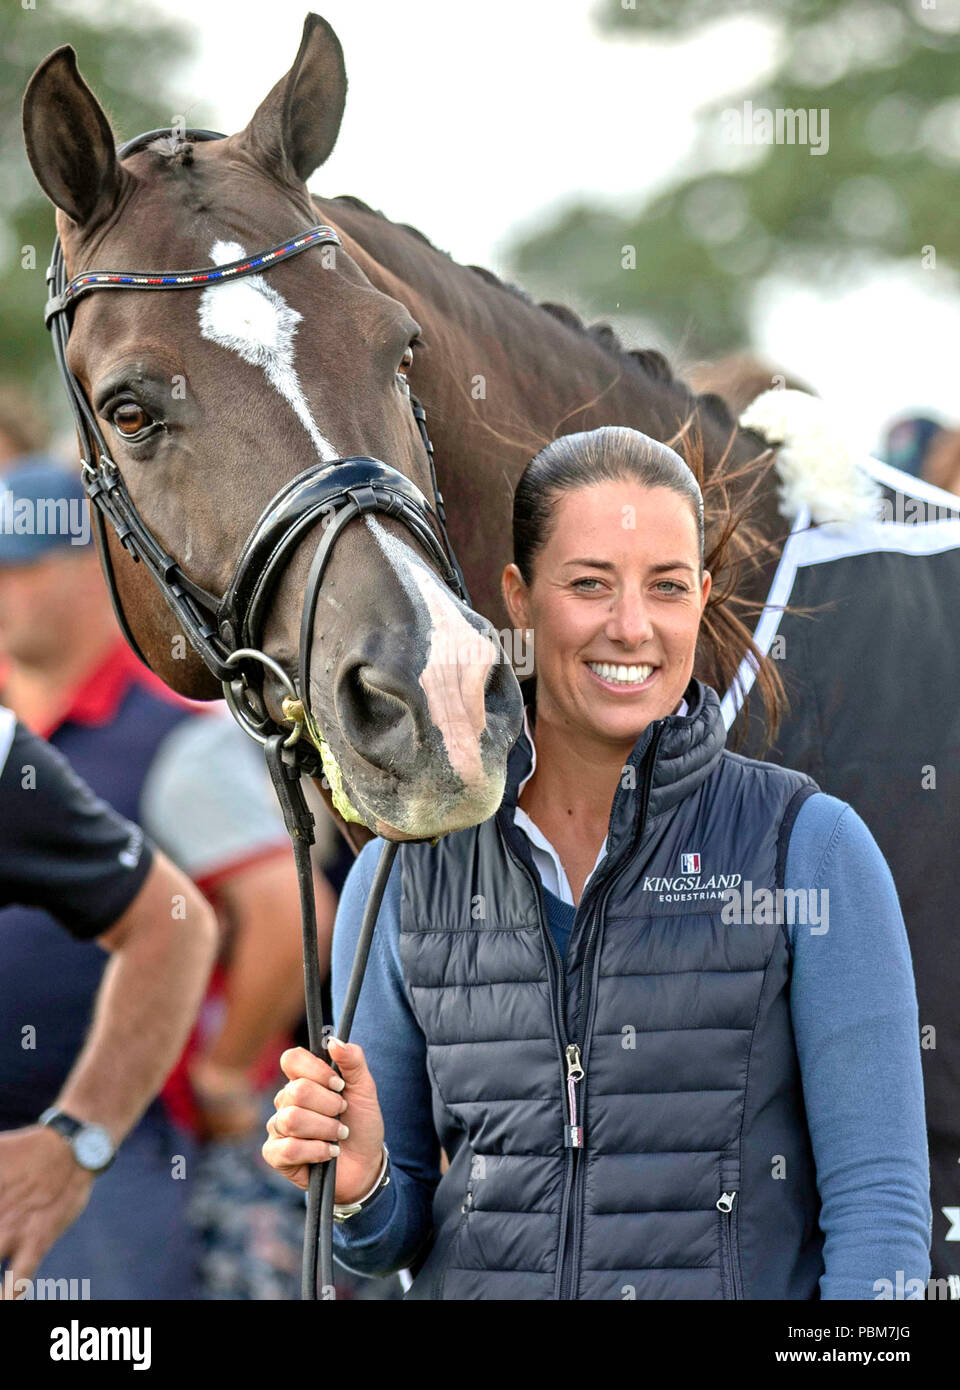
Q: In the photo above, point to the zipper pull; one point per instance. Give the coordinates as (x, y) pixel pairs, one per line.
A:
(573, 1133)
(726, 1201)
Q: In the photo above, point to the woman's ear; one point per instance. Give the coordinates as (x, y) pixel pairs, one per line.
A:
(705, 590)
(514, 590)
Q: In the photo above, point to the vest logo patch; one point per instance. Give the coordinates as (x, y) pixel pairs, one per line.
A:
(689, 863)
(690, 886)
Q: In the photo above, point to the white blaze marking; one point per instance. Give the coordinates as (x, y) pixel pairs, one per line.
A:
(250, 318)
(458, 659)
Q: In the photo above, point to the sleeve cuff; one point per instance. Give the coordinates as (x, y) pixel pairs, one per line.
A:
(338, 1207)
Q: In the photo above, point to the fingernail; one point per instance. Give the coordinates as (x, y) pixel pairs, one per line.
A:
(334, 1149)
(336, 1083)
(342, 1132)
(338, 1042)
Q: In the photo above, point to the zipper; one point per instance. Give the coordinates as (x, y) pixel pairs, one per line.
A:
(591, 968)
(575, 1073)
(572, 1071)
(574, 1140)
(573, 1059)
(558, 1010)
(466, 1207)
(572, 1237)
(728, 1241)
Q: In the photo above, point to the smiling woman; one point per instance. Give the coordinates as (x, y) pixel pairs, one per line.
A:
(611, 522)
(648, 1084)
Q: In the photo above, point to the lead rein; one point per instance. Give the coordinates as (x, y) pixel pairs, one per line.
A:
(285, 773)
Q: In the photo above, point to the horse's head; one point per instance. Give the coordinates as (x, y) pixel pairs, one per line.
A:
(212, 399)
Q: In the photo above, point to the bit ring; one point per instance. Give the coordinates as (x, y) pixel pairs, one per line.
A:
(241, 715)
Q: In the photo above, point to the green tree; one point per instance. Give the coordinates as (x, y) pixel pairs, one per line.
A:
(129, 60)
(883, 189)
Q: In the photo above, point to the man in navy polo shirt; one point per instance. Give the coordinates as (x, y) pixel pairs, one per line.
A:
(198, 786)
(63, 850)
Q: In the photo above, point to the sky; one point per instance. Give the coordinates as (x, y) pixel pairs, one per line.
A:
(476, 122)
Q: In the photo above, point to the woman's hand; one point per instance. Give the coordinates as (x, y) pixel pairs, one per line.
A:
(311, 1111)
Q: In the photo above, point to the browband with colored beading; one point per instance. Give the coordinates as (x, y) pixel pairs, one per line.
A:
(186, 279)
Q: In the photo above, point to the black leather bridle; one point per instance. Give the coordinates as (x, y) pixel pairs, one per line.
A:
(226, 631)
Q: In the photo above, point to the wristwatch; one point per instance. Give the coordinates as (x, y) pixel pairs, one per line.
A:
(343, 1212)
(92, 1146)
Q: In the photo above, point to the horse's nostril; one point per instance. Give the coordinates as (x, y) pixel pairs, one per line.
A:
(375, 718)
(394, 715)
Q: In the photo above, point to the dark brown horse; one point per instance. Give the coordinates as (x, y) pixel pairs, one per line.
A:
(213, 400)
(499, 376)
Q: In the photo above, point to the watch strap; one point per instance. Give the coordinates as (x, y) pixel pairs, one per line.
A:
(60, 1121)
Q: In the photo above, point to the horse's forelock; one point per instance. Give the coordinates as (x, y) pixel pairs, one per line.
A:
(173, 149)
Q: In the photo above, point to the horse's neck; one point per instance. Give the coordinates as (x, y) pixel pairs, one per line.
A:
(499, 379)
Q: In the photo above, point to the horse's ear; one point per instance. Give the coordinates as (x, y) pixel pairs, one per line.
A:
(69, 141)
(295, 128)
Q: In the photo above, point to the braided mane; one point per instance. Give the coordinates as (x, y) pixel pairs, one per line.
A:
(649, 361)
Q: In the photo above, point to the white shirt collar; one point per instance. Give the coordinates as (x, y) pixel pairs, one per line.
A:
(545, 857)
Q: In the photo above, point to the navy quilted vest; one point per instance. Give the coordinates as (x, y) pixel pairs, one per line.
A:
(631, 1125)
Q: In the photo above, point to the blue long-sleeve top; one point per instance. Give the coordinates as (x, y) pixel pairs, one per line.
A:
(854, 1010)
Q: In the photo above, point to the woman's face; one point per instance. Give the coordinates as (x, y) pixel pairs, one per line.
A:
(615, 604)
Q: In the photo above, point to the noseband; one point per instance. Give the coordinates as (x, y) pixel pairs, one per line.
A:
(227, 632)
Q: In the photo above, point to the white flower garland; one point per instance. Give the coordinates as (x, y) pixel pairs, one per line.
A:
(816, 464)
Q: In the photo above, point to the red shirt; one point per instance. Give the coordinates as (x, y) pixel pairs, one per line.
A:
(95, 701)
(96, 698)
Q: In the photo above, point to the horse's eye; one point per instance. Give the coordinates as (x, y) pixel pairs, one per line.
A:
(406, 362)
(130, 418)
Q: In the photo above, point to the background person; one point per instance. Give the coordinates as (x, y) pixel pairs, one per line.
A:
(22, 430)
(66, 852)
(197, 784)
